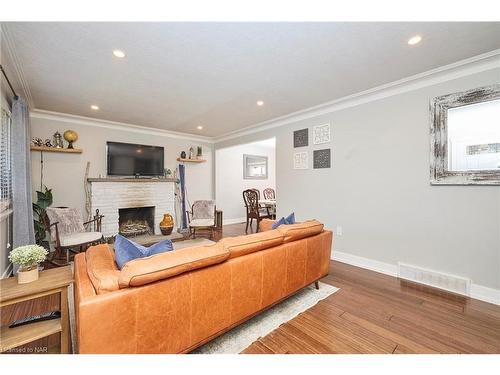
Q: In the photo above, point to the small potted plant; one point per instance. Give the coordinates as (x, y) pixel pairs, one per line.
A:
(27, 258)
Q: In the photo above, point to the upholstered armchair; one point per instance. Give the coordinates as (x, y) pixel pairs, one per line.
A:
(202, 216)
(68, 232)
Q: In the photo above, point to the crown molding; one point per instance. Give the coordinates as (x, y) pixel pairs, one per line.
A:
(16, 62)
(89, 121)
(476, 64)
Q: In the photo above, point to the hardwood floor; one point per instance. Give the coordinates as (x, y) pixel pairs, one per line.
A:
(375, 313)
(371, 313)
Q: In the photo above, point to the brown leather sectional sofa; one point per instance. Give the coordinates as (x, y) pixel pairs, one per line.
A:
(176, 301)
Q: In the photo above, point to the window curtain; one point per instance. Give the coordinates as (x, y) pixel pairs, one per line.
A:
(22, 225)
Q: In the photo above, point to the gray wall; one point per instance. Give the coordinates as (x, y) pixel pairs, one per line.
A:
(378, 187)
(64, 173)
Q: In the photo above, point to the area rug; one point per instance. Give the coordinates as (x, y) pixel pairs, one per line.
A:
(242, 336)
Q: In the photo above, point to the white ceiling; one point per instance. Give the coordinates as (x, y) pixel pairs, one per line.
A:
(177, 76)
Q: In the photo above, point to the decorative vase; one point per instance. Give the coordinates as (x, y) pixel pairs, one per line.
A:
(71, 136)
(183, 155)
(167, 224)
(24, 277)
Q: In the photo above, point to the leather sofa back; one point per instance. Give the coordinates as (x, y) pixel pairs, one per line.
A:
(178, 313)
(162, 266)
(243, 245)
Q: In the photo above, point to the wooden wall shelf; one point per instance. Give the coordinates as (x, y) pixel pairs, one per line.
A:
(54, 149)
(191, 160)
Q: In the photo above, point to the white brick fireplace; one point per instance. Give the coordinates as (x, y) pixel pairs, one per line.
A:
(111, 194)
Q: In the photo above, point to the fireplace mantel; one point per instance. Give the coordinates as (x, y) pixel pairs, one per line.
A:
(120, 179)
(109, 195)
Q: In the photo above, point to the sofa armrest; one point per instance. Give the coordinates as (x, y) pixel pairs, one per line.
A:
(266, 224)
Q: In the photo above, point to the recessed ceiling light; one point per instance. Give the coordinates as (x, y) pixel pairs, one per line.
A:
(414, 40)
(118, 53)
(260, 103)
(199, 127)
(94, 107)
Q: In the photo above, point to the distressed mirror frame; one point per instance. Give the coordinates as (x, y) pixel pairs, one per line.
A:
(439, 106)
(246, 176)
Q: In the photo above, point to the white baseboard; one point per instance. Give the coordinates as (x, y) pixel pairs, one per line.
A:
(234, 221)
(7, 272)
(479, 292)
(369, 264)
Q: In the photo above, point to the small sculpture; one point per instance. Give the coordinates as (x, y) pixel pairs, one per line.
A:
(37, 141)
(191, 152)
(48, 143)
(183, 155)
(58, 142)
(71, 136)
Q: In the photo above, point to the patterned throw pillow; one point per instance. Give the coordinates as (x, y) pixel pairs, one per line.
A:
(127, 250)
(69, 220)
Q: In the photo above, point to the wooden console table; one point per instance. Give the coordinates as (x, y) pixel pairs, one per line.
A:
(53, 281)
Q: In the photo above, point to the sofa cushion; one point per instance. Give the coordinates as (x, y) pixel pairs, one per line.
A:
(242, 245)
(102, 269)
(127, 250)
(143, 271)
(265, 225)
(294, 232)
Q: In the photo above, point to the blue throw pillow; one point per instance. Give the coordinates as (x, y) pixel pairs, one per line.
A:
(127, 250)
(290, 219)
(278, 223)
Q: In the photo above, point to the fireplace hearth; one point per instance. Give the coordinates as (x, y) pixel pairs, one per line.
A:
(136, 221)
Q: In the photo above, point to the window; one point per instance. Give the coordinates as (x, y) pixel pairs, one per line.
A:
(465, 138)
(254, 167)
(5, 162)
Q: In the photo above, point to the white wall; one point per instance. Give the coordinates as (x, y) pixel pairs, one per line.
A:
(229, 182)
(64, 173)
(378, 187)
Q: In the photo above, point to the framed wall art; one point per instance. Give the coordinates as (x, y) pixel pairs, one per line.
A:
(321, 134)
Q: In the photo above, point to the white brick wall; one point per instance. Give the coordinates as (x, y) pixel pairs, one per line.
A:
(109, 197)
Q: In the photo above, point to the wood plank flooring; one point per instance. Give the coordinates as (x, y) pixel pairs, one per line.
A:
(375, 313)
(371, 313)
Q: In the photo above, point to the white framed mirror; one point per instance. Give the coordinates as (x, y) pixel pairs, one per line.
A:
(254, 167)
(465, 138)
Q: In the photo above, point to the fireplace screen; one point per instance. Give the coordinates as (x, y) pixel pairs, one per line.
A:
(136, 221)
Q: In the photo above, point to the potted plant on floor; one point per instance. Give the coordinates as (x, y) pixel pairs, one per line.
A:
(27, 258)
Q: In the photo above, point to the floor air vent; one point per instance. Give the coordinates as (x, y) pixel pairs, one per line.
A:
(436, 279)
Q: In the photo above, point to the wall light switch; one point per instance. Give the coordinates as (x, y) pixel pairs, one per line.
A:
(339, 230)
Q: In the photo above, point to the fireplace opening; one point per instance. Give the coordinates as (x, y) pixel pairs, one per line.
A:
(136, 221)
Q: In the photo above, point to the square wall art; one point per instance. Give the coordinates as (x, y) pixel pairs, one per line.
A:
(300, 160)
(321, 134)
(301, 138)
(321, 158)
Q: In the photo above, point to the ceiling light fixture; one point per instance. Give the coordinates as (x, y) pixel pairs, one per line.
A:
(199, 127)
(118, 53)
(414, 40)
(260, 103)
(94, 107)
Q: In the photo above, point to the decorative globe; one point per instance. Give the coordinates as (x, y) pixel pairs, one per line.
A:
(71, 136)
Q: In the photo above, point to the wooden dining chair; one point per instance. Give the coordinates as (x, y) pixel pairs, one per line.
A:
(269, 193)
(254, 211)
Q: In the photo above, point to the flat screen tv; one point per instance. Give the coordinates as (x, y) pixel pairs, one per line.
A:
(126, 159)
